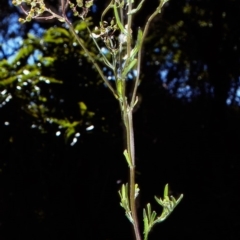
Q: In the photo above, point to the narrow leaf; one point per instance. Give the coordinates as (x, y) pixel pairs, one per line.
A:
(119, 23)
(129, 67)
(120, 88)
(83, 108)
(138, 44)
(145, 222)
(125, 153)
(165, 194)
(153, 217)
(8, 81)
(159, 201)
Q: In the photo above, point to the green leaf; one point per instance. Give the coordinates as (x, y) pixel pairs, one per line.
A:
(82, 25)
(47, 61)
(8, 81)
(56, 35)
(165, 194)
(145, 223)
(5, 69)
(50, 80)
(119, 23)
(89, 3)
(83, 108)
(69, 132)
(125, 153)
(24, 77)
(119, 86)
(137, 190)
(153, 217)
(138, 44)
(129, 67)
(149, 210)
(23, 53)
(129, 64)
(145, 220)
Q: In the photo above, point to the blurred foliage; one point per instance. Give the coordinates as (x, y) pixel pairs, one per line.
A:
(192, 51)
(38, 65)
(197, 42)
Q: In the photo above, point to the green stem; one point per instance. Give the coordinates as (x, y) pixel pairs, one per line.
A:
(129, 26)
(128, 123)
(91, 58)
(145, 31)
(132, 176)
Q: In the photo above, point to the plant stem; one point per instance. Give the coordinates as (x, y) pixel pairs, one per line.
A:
(145, 31)
(128, 122)
(91, 59)
(129, 30)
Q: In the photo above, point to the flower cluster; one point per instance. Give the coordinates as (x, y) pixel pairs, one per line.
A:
(85, 5)
(37, 7)
(107, 32)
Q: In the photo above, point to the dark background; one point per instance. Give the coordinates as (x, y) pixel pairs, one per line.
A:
(187, 132)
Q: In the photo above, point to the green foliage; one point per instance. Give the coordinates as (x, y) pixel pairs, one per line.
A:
(23, 80)
(123, 193)
(29, 76)
(57, 35)
(66, 124)
(150, 217)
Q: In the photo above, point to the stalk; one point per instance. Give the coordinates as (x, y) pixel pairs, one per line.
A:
(131, 151)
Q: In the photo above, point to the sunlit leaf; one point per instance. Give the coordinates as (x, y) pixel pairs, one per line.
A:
(165, 194)
(83, 108)
(69, 132)
(23, 53)
(8, 81)
(129, 67)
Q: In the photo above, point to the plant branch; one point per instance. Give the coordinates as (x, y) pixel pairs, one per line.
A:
(131, 151)
(145, 31)
(129, 25)
(91, 59)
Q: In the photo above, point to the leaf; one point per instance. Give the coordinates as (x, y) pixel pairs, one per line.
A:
(149, 211)
(138, 44)
(69, 132)
(159, 201)
(137, 190)
(82, 25)
(165, 194)
(90, 114)
(8, 81)
(119, 23)
(56, 35)
(83, 108)
(50, 80)
(129, 64)
(125, 153)
(47, 61)
(129, 67)
(56, 31)
(24, 77)
(23, 53)
(120, 87)
(5, 68)
(146, 225)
